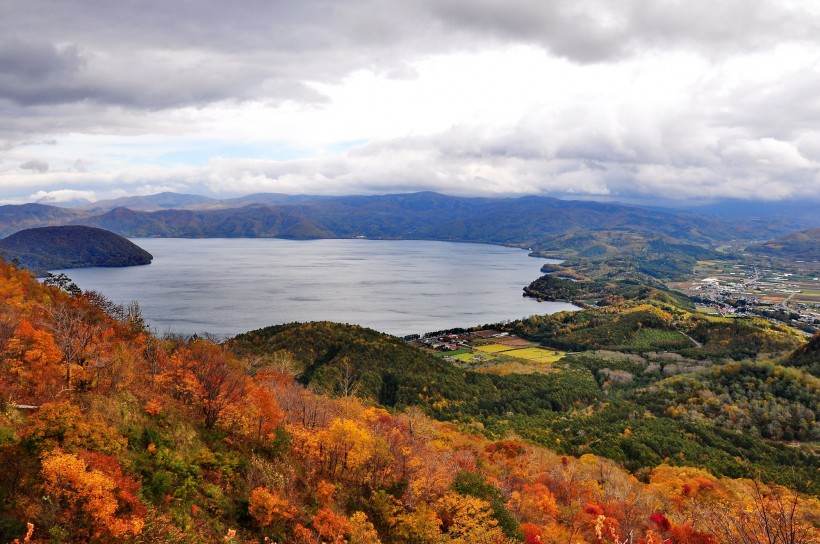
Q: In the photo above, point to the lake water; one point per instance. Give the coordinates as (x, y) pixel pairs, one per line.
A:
(228, 286)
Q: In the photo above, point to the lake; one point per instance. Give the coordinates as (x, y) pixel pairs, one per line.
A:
(228, 286)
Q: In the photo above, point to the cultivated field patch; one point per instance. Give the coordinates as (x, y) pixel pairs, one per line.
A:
(519, 367)
(514, 341)
(452, 353)
(493, 348)
(474, 357)
(535, 354)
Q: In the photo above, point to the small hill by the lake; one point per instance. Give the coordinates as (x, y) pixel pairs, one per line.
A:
(49, 248)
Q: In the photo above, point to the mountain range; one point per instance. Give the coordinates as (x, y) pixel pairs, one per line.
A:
(530, 221)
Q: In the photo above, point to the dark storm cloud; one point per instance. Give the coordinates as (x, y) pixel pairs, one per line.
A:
(37, 72)
(35, 60)
(157, 55)
(602, 30)
(154, 55)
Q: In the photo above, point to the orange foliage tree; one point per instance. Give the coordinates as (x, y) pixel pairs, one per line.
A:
(87, 498)
(207, 377)
(267, 507)
(30, 364)
(332, 527)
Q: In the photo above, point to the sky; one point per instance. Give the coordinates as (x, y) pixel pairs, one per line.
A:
(635, 100)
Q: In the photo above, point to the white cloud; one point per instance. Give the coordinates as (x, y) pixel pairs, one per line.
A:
(61, 196)
(637, 99)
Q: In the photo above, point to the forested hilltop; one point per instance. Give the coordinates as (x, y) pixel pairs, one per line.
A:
(329, 433)
(75, 246)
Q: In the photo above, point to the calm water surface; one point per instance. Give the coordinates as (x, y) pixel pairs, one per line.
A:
(228, 286)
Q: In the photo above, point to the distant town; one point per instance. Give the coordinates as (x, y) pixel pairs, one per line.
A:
(787, 294)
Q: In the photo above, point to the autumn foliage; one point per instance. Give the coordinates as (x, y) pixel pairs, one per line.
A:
(110, 434)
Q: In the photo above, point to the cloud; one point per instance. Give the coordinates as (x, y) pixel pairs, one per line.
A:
(35, 165)
(600, 30)
(61, 196)
(633, 99)
(39, 72)
(469, 161)
(196, 53)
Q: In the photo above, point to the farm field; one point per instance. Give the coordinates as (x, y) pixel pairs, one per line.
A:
(474, 357)
(526, 353)
(493, 348)
(518, 367)
(453, 353)
(502, 355)
(535, 354)
(514, 341)
(810, 292)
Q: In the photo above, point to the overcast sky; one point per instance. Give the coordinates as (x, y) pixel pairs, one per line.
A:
(653, 100)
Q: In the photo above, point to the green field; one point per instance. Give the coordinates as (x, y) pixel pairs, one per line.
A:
(452, 353)
(469, 357)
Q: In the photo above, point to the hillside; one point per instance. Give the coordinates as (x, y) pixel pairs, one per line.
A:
(50, 248)
(651, 321)
(249, 222)
(807, 356)
(802, 245)
(560, 409)
(14, 218)
(109, 434)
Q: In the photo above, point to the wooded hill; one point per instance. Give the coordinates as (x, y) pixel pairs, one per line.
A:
(108, 433)
(52, 248)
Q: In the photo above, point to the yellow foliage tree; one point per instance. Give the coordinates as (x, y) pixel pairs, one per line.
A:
(346, 445)
(421, 526)
(87, 497)
(468, 520)
(62, 424)
(362, 531)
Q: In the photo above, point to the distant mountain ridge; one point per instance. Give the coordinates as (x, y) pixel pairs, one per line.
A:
(160, 201)
(76, 246)
(14, 218)
(531, 221)
(804, 245)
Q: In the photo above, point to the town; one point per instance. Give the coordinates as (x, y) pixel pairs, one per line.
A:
(788, 294)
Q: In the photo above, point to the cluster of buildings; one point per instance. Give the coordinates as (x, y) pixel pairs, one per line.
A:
(451, 341)
(752, 291)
